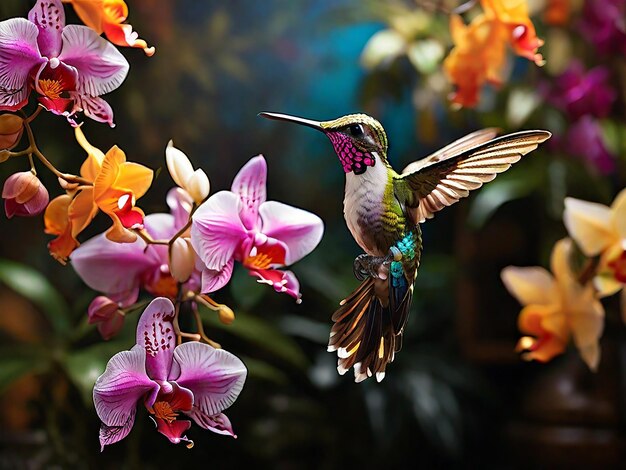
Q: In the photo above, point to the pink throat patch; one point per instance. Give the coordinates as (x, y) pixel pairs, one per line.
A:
(351, 158)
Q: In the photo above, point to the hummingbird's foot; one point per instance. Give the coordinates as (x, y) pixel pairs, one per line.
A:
(370, 266)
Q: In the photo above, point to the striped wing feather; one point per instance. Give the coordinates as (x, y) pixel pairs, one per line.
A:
(445, 177)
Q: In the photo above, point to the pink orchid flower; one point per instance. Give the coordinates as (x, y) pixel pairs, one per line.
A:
(192, 378)
(119, 270)
(240, 225)
(68, 66)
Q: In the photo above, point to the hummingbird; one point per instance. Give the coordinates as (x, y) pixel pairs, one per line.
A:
(383, 210)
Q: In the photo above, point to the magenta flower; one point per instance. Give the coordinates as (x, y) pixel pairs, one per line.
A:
(584, 140)
(192, 378)
(578, 92)
(240, 225)
(119, 270)
(68, 66)
(604, 25)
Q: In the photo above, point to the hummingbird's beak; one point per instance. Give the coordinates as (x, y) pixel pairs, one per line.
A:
(298, 120)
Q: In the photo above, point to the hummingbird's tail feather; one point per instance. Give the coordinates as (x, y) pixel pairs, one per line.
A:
(363, 334)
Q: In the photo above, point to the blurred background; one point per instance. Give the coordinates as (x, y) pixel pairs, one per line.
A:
(457, 395)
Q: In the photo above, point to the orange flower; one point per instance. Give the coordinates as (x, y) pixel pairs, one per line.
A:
(555, 308)
(117, 185)
(116, 188)
(108, 16)
(478, 55)
(518, 30)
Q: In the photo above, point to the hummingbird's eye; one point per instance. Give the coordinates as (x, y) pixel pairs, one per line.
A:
(356, 130)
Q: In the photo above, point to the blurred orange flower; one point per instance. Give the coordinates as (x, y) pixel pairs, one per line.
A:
(478, 55)
(555, 308)
(108, 16)
(557, 12)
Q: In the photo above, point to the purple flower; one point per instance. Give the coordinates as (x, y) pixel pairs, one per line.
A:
(192, 378)
(240, 225)
(584, 140)
(578, 93)
(119, 270)
(68, 66)
(604, 25)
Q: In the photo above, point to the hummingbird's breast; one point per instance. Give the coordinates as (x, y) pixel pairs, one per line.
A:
(370, 209)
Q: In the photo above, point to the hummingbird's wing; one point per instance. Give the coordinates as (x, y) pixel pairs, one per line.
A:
(455, 148)
(446, 176)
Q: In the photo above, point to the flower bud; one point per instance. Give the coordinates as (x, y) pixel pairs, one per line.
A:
(11, 128)
(196, 183)
(182, 259)
(107, 314)
(24, 195)
(178, 164)
(198, 186)
(4, 155)
(225, 314)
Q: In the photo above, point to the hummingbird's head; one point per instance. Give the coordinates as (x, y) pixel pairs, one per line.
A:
(359, 140)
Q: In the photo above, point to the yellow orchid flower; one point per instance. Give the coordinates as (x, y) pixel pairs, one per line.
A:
(117, 185)
(601, 230)
(69, 214)
(556, 306)
(116, 188)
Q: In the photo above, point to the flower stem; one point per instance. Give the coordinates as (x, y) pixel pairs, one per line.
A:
(33, 149)
(588, 272)
(209, 341)
(185, 227)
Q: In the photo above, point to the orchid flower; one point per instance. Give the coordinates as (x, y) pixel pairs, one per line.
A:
(240, 225)
(68, 66)
(601, 230)
(479, 52)
(555, 308)
(192, 378)
(120, 270)
(108, 17)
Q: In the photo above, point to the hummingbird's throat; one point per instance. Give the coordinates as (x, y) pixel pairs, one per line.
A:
(353, 160)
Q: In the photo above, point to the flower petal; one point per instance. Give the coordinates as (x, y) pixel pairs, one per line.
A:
(530, 285)
(120, 387)
(618, 213)
(587, 323)
(20, 55)
(173, 431)
(282, 281)
(155, 334)
(219, 423)
(93, 107)
(547, 325)
(49, 18)
(180, 204)
(135, 178)
(249, 184)
(101, 67)
(178, 165)
(214, 376)
(216, 230)
(110, 267)
(82, 210)
(213, 280)
(298, 229)
(160, 227)
(589, 224)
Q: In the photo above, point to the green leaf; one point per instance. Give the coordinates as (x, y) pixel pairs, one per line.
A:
(35, 287)
(84, 366)
(260, 333)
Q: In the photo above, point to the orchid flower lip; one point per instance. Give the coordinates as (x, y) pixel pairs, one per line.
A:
(297, 120)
